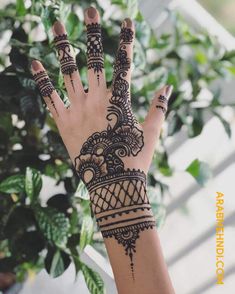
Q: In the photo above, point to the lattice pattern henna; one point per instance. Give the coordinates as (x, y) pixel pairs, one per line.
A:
(45, 86)
(123, 190)
(68, 65)
(118, 195)
(95, 49)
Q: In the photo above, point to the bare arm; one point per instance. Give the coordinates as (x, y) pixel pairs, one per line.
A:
(112, 153)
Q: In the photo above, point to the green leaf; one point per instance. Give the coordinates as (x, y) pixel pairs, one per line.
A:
(33, 183)
(20, 7)
(6, 123)
(231, 69)
(13, 184)
(74, 26)
(20, 219)
(27, 245)
(200, 171)
(53, 224)
(132, 8)
(56, 262)
(201, 57)
(226, 125)
(87, 231)
(49, 15)
(94, 282)
(81, 191)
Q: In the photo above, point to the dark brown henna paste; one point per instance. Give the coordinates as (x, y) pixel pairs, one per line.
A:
(118, 195)
(163, 109)
(68, 65)
(45, 86)
(95, 49)
(163, 100)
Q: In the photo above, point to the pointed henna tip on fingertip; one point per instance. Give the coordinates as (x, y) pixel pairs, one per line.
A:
(36, 65)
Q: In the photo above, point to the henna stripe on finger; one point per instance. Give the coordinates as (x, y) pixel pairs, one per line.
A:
(163, 109)
(68, 65)
(122, 64)
(45, 86)
(162, 99)
(95, 49)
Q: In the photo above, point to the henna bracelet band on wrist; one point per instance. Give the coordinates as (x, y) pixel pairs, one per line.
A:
(122, 209)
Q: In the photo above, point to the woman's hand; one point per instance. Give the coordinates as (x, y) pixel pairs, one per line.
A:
(94, 111)
(110, 149)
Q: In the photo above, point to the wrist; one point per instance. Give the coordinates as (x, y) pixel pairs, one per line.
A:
(121, 207)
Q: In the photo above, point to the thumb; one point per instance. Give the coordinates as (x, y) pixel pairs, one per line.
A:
(157, 111)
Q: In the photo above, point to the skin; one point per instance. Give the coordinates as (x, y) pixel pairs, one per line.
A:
(87, 115)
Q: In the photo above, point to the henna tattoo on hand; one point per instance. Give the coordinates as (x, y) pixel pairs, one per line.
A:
(68, 65)
(95, 49)
(45, 86)
(163, 109)
(163, 100)
(118, 194)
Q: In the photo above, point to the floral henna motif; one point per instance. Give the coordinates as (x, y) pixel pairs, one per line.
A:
(45, 86)
(118, 194)
(68, 65)
(95, 49)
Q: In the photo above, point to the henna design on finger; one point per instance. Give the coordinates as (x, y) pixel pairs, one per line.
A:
(45, 86)
(68, 65)
(163, 109)
(162, 99)
(118, 194)
(95, 49)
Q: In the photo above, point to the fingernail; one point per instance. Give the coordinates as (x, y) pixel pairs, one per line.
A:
(58, 28)
(35, 65)
(169, 89)
(91, 12)
(128, 23)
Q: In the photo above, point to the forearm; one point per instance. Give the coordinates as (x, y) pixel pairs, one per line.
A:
(150, 271)
(124, 216)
